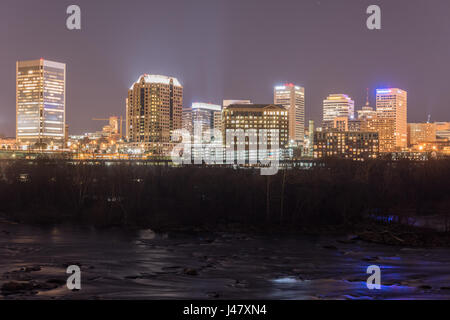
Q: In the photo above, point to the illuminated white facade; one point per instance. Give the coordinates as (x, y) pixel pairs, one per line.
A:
(392, 104)
(338, 106)
(40, 102)
(292, 97)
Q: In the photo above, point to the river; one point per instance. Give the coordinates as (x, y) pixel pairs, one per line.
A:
(118, 264)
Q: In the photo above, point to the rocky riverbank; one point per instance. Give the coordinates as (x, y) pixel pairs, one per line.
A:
(392, 234)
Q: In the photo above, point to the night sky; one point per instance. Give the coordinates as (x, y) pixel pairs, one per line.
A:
(230, 49)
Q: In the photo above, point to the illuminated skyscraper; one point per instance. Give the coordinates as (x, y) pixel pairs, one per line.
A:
(392, 104)
(292, 97)
(385, 129)
(154, 111)
(338, 105)
(40, 103)
(205, 116)
(258, 117)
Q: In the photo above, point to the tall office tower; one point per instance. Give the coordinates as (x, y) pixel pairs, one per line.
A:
(338, 105)
(421, 132)
(154, 110)
(392, 104)
(292, 97)
(227, 103)
(40, 103)
(204, 115)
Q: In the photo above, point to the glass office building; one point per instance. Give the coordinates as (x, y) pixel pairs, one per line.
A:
(40, 103)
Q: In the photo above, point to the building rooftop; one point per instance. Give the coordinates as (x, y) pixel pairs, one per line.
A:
(151, 78)
(254, 106)
(207, 106)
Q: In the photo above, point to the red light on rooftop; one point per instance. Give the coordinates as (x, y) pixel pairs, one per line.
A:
(289, 84)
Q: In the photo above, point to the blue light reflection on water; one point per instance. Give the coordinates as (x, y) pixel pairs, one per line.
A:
(145, 265)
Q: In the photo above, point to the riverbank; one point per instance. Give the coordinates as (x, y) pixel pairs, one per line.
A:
(392, 234)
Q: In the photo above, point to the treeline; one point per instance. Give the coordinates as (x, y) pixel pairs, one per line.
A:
(331, 193)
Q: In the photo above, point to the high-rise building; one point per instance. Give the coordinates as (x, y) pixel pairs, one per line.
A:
(154, 110)
(392, 104)
(292, 97)
(385, 129)
(421, 132)
(40, 103)
(349, 145)
(338, 106)
(259, 117)
(205, 116)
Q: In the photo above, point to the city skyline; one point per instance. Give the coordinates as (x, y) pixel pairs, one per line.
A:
(210, 61)
(206, 152)
(278, 91)
(207, 63)
(154, 111)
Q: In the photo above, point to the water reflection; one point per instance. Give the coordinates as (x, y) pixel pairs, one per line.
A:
(119, 264)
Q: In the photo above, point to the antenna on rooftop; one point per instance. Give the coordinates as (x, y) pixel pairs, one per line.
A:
(367, 97)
